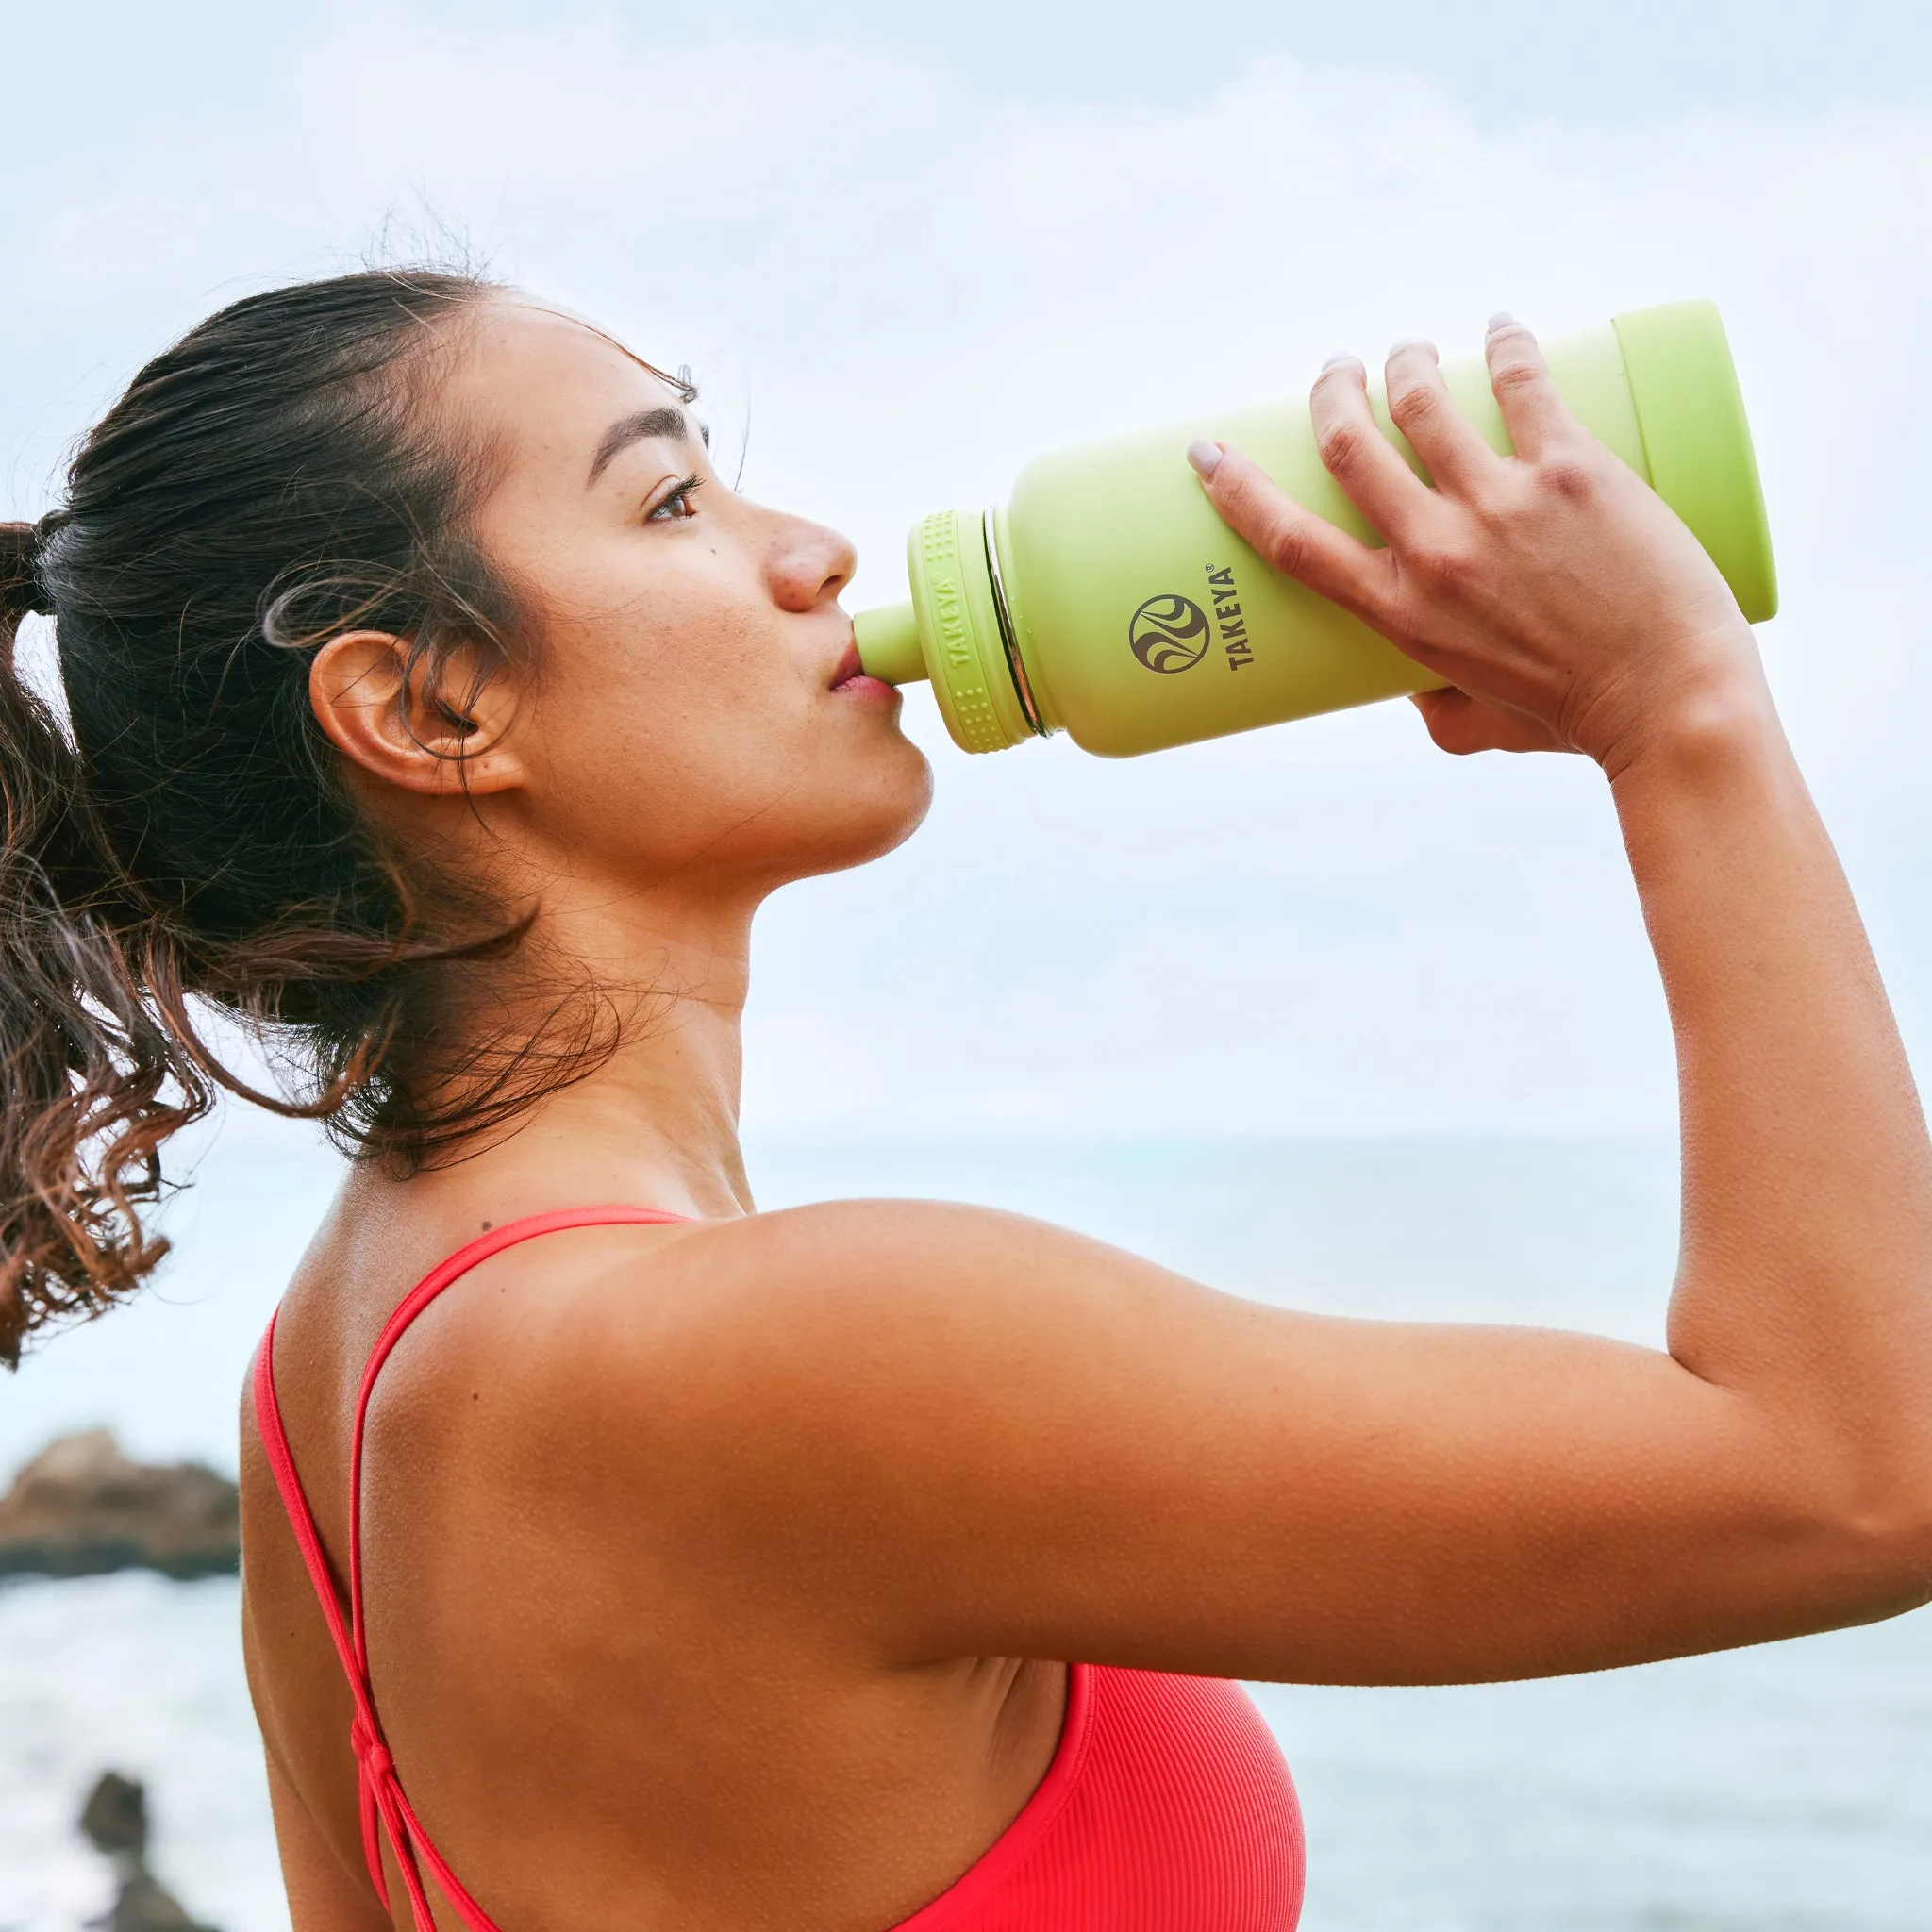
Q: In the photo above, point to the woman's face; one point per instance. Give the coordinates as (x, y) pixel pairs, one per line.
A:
(695, 709)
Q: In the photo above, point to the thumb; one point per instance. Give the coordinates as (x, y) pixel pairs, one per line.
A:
(1460, 725)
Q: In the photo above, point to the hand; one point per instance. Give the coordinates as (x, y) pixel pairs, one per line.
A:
(1561, 598)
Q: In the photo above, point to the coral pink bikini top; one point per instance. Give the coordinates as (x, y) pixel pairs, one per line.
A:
(1167, 1807)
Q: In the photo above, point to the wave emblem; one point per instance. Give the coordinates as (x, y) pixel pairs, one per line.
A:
(1169, 633)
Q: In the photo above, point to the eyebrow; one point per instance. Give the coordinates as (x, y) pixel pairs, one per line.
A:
(638, 428)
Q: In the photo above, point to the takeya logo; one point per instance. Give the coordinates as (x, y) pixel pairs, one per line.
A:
(1171, 633)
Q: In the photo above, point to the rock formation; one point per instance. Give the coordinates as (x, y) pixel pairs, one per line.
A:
(81, 1508)
(115, 1823)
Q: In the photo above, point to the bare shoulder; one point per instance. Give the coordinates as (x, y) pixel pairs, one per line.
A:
(798, 1372)
(845, 1262)
(817, 1300)
(763, 1414)
(781, 1370)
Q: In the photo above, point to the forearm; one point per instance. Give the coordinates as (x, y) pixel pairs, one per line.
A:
(1806, 1280)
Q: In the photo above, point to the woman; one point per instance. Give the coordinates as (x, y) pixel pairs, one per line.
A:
(436, 709)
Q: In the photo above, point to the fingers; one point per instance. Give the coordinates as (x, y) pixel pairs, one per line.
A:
(1282, 533)
(1372, 472)
(1446, 441)
(1533, 410)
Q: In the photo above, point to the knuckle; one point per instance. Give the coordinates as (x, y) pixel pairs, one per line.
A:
(1499, 511)
(1568, 473)
(1249, 503)
(1414, 404)
(1286, 548)
(1441, 565)
(1233, 490)
(1340, 443)
(1513, 374)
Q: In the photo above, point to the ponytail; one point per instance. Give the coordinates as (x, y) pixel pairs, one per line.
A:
(91, 1081)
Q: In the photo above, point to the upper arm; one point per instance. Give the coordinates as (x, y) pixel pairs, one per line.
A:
(953, 1432)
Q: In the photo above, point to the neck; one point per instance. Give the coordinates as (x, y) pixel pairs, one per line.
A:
(655, 1123)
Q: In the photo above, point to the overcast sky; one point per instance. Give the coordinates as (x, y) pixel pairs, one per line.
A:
(917, 245)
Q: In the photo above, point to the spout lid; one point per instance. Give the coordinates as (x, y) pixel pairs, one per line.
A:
(888, 642)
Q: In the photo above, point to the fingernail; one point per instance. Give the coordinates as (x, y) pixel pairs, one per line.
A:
(1205, 456)
(1341, 362)
(1414, 342)
(1500, 320)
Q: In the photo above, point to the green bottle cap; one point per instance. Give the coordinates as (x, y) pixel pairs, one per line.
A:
(1697, 443)
(955, 614)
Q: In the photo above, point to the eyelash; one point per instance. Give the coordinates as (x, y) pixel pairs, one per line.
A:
(677, 503)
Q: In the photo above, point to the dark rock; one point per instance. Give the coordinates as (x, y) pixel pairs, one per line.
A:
(81, 1508)
(115, 1821)
(143, 1905)
(115, 1816)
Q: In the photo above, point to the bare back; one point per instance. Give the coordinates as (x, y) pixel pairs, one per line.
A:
(595, 1716)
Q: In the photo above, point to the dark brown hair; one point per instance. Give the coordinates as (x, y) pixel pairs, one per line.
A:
(280, 474)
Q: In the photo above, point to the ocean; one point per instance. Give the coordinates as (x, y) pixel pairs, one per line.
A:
(1786, 1789)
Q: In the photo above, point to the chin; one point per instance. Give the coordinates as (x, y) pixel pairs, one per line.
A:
(881, 811)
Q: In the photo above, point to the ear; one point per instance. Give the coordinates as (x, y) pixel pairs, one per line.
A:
(385, 720)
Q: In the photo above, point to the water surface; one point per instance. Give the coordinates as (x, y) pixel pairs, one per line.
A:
(1787, 1789)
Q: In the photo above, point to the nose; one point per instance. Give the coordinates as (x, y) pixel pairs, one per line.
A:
(809, 564)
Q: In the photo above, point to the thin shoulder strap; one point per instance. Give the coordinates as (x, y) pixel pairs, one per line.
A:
(383, 1806)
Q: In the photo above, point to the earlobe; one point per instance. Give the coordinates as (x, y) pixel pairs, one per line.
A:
(376, 709)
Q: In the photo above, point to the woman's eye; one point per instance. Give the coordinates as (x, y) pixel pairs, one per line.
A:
(678, 503)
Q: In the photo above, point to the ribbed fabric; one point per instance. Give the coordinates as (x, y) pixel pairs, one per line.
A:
(1167, 1807)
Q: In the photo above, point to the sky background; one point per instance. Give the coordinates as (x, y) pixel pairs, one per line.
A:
(912, 247)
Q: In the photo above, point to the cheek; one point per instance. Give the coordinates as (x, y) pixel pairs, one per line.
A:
(660, 748)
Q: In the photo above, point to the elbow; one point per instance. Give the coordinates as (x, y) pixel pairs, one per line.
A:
(1882, 1549)
(1891, 1588)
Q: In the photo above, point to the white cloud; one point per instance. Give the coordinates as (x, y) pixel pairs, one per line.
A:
(919, 284)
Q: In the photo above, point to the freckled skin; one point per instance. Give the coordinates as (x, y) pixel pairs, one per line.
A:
(732, 1596)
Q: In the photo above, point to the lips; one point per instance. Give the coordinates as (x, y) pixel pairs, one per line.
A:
(848, 667)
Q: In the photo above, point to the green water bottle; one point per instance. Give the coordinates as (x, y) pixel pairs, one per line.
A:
(1107, 600)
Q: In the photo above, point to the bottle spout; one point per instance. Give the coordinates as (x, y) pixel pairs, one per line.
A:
(889, 645)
